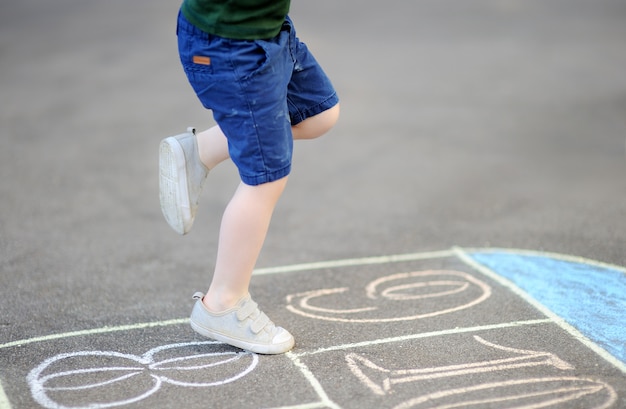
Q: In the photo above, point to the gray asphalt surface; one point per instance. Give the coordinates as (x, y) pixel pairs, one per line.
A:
(465, 124)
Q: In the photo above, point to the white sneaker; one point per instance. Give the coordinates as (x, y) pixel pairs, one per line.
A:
(243, 326)
(181, 176)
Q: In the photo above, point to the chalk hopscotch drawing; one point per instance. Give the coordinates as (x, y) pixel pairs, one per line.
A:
(530, 393)
(520, 393)
(88, 379)
(387, 378)
(381, 298)
(105, 379)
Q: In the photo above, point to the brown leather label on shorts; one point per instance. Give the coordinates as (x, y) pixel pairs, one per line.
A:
(198, 59)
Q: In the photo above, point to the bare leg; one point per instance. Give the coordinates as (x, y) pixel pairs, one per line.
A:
(242, 233)
(247, 217)
(317, 125)
(212, 147)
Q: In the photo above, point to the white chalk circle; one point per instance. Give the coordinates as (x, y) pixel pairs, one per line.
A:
(386, 296)
(88, 379)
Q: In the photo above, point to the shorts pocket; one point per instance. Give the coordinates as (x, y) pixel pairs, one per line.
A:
(195, 54)
(248, 58)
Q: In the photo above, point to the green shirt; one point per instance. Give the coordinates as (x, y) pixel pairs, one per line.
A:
(237, 19)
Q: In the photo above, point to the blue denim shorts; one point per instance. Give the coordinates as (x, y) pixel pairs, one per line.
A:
(256, 89)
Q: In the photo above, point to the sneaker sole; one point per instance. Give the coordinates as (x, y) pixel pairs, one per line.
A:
(173, 193)
(248, 346)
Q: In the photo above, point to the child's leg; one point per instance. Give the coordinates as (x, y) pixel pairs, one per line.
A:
(247, 216)
(227, 313)
(242, 233)
(212, 147)
(316, 125)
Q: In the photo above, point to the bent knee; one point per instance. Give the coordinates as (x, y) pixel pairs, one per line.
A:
(317, 125)
(333, 116)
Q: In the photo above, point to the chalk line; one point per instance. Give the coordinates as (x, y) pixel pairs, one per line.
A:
(93, 331)
(317, 386)
(311, 405)
(423, 335)
(547, 254)
(395, 258)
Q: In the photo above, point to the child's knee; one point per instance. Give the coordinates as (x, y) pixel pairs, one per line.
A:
(328, 119)
(333, 116)
(317, 125)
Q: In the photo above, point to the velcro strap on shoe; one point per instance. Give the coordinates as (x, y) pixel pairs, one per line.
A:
(246, 310)
(259, 323)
